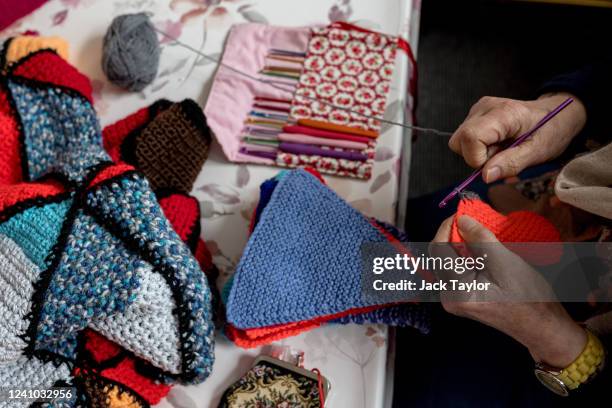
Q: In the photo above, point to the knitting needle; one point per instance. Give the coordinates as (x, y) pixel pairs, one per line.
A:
(517, 142)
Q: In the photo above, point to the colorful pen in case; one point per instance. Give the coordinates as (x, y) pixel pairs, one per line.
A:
(296, 60)
(317, 124)
(324, 133)
(300, 148)
(267, 122)
(275, 116)
(259, 148)
(257, 153)
(276, 51)
(282, 69)
(262, 142)
(321, 141)
(260, 131)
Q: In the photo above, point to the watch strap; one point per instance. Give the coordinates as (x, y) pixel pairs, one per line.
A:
(586, 365)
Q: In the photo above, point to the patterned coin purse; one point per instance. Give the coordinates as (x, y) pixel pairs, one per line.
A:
(275, 383)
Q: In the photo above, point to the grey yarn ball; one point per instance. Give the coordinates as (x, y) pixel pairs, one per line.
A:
(130, 57)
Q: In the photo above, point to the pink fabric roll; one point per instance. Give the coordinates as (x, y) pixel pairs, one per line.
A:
(321, 141)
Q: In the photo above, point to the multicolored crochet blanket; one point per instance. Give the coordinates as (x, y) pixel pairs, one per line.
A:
(85, 246)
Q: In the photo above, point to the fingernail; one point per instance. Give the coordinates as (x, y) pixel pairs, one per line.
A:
(492, 174)
(465, 223)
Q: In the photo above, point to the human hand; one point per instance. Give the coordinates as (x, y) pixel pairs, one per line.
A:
(494, 120)
(544, 327)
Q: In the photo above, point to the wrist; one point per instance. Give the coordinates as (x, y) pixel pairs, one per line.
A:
(560, 345)
(575, 114)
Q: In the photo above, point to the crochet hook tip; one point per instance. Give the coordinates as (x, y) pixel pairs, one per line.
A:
(517, 142)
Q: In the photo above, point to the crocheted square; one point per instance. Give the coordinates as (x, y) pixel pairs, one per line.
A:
(516, 227)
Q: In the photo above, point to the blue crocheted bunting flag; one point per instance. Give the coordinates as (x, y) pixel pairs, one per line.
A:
(130, 205)
(61, 131)
(96, 276)
(303, 259)
(405, 315)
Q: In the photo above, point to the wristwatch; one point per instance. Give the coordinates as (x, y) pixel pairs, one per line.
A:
(583, 369)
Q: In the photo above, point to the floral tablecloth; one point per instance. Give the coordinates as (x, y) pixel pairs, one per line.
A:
(354, 358)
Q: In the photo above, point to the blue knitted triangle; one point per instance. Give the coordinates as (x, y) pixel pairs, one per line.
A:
(36, 230)
(96, 276)
(303, 259)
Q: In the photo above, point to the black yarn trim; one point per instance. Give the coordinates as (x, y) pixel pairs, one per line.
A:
(126, 149)
(60, 178)
(159, 106)
(3, 52)
(31, 203)
(91, 375)
(34, 83)
(196, 117)
(181, 310)
(52, 260)
(194, 235)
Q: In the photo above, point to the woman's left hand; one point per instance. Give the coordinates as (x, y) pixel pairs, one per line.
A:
(544, 327)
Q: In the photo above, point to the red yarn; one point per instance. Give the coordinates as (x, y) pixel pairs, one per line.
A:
(15, 193)
(125, 373)
(183, 213)
(48, 67)
(260, 336)
(519, 226)
(110, 172)
(100, 348)
(10, 165)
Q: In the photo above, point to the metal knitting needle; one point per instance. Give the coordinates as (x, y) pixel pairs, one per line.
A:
(286, 88)
(517, 142)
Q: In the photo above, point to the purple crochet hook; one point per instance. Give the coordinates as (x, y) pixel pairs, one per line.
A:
(517, 142)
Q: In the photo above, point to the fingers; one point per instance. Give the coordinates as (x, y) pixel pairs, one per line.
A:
(443, 233)
(489, 122)
(512, 161)
(474, 232)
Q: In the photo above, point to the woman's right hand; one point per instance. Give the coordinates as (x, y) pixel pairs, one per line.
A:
(493, 120)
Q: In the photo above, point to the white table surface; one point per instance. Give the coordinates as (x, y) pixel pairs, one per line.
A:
(354, 358)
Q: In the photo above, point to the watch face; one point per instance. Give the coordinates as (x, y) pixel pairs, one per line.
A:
(551, 382)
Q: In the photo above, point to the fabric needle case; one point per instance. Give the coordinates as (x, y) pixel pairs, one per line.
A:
(316, 106)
